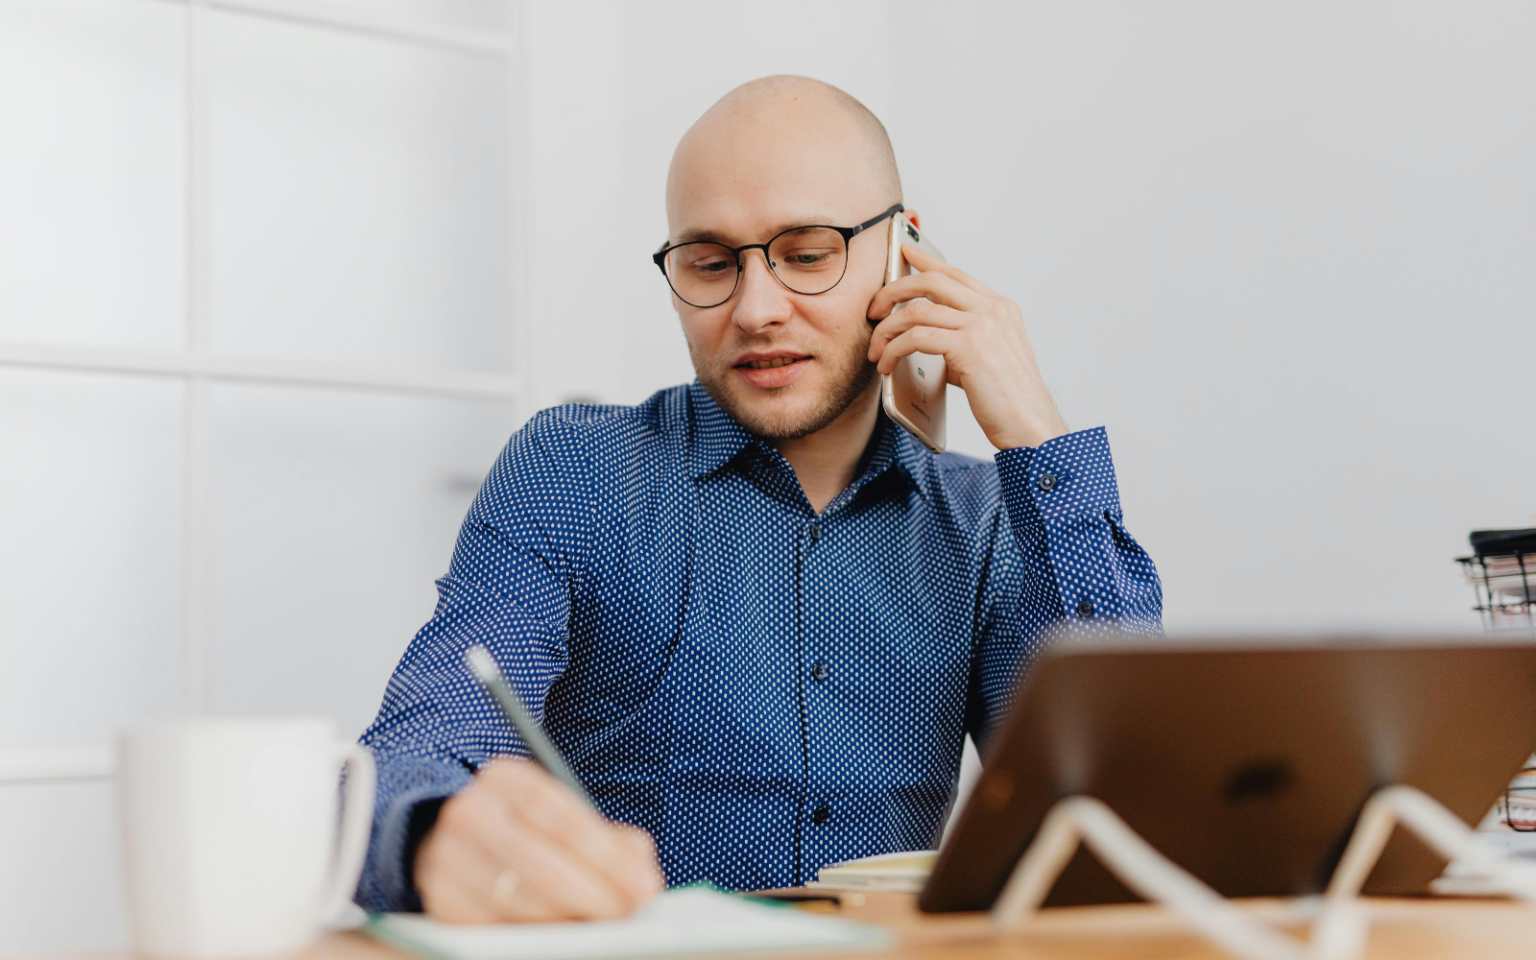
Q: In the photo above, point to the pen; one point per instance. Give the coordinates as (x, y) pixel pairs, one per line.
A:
(483, 665)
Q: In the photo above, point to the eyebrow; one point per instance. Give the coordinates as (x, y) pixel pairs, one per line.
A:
(714, 236)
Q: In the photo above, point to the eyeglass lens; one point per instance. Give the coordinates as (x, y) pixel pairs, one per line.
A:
(809, 260)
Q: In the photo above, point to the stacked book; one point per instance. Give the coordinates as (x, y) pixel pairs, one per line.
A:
(893, 872)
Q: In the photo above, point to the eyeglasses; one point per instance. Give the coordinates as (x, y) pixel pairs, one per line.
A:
(808, 260)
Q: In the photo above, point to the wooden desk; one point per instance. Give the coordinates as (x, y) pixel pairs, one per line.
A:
(1408, 929)
(1400, 929)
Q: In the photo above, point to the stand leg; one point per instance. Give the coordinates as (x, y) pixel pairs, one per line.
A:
(1139, 867)
(1340, 930)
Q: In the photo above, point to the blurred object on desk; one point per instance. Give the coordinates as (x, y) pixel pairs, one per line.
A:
(233, 841)
(1509, 829)
(893, 872)
(1517, 811)
(1502, 572)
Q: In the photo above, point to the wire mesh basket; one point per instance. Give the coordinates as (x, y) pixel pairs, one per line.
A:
(1502, 572)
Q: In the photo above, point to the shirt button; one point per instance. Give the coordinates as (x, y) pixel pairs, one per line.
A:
(1046, 483)
(815, 533)
(1085, 609)
(821, 815)
(819, 672)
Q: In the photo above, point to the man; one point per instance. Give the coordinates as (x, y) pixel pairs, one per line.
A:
(756, 617)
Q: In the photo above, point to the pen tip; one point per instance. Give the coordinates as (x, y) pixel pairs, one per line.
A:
(481, 662)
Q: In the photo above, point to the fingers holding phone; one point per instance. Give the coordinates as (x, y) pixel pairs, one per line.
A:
(980, 334)
(517, 845)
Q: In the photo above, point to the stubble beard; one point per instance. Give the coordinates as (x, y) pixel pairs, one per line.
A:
(850, 375)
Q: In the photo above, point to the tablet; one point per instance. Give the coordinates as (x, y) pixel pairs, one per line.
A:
(1245, 762)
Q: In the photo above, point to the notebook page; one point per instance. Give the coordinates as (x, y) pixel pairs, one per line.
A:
(688, 920)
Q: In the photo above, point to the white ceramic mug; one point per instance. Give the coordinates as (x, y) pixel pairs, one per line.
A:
(230, 833)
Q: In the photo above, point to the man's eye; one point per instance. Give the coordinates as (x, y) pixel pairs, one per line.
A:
(711, 268)
(808, 258)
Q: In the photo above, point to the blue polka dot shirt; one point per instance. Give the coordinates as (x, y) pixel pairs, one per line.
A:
(764, 689)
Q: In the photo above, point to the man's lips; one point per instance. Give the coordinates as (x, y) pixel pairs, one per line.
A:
(767, 371)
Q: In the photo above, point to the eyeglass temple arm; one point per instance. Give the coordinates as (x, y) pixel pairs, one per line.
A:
(855, 231)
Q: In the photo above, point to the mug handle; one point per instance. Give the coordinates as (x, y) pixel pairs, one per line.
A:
(356, 825)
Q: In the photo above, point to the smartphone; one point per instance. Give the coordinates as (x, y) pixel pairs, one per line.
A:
(913, 394)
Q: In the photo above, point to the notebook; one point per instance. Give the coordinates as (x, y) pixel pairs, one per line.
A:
(681, 922)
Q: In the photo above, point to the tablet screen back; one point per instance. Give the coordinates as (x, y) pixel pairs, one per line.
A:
(1245, 764)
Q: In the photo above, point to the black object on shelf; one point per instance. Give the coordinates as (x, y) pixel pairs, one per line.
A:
(1502, 571)
(1493, 543)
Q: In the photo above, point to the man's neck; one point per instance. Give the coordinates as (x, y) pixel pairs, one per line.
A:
(827, 461)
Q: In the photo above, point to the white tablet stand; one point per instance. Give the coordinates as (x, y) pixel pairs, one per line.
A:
(1340, 926)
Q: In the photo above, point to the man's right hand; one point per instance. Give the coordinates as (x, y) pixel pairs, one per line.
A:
(517, 845)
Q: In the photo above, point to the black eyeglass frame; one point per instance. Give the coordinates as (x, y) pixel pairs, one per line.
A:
(848, 233)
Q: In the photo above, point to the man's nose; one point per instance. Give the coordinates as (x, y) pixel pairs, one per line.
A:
(762, 301)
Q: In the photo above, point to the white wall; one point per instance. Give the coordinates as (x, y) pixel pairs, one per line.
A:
(1283, 251)
(359, 218)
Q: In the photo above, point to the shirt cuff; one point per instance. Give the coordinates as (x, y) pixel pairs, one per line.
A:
(1064, 506)
(410, 792)
(1064, 478)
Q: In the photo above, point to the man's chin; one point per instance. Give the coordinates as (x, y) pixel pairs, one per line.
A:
(790, 412)
(777, 418)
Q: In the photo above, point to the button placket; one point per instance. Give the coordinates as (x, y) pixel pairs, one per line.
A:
(814, 673)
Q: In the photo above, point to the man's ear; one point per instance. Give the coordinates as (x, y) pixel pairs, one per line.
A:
(912, 215)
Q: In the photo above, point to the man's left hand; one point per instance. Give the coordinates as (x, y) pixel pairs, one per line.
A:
(980, 334)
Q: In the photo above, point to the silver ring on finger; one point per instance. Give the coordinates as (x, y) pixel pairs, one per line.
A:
(502, 891)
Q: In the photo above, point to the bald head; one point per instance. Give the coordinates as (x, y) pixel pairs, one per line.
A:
(776, 128)
(772, 157)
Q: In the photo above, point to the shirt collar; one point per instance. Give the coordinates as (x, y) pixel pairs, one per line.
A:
(912, 457)
(718, 439)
